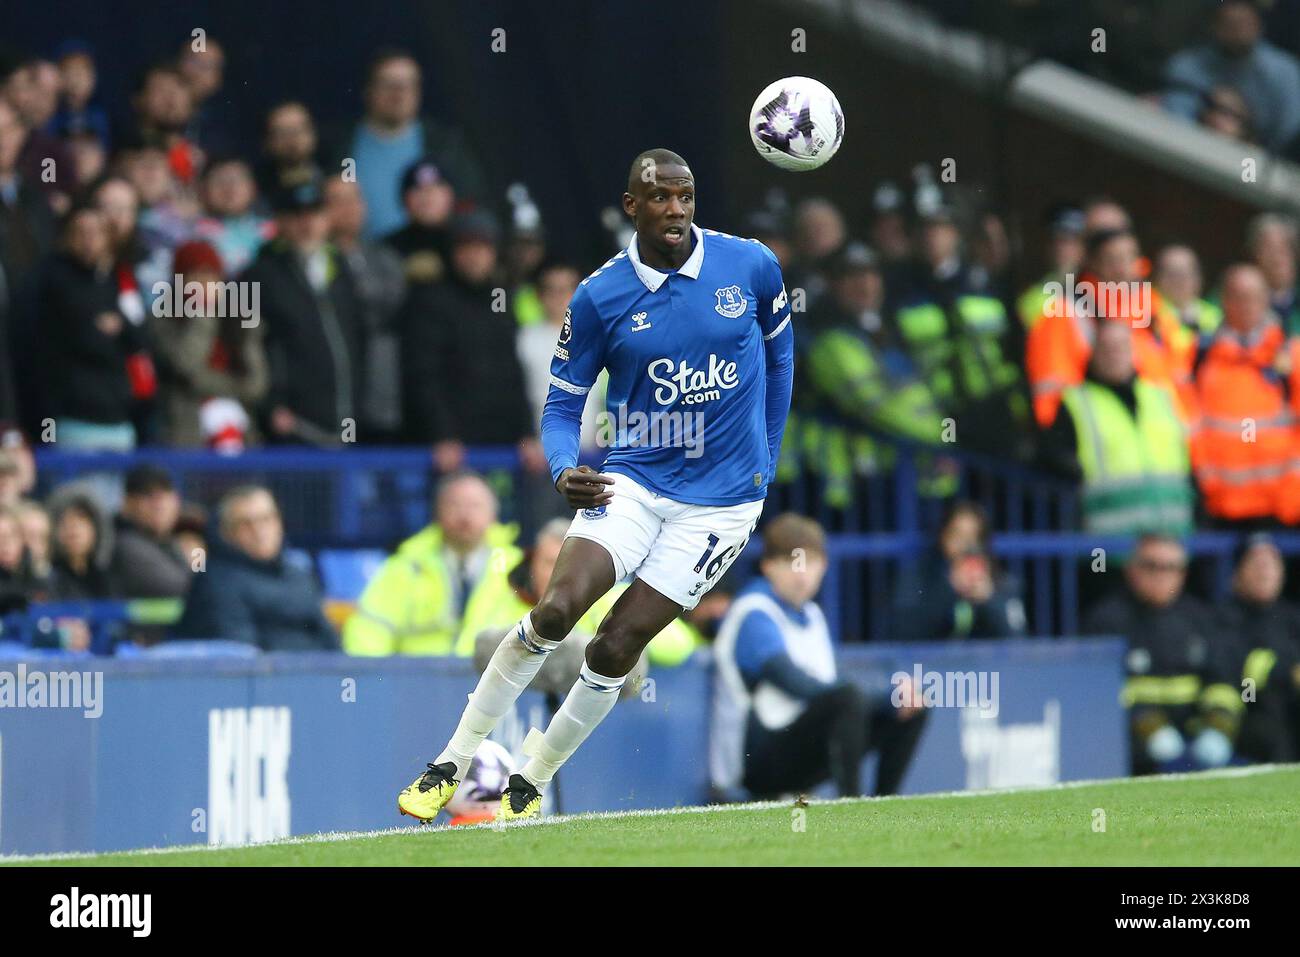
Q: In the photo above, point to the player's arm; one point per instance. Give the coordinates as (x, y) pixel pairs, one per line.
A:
(778, 348)
(579, 357)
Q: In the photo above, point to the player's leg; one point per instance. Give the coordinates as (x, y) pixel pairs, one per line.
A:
(602, 545)
(639, 614)
(692, 550)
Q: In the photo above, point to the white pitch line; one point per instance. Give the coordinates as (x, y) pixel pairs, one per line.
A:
(332, 837)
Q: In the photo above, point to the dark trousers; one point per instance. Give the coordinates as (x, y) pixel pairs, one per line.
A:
(828, 742)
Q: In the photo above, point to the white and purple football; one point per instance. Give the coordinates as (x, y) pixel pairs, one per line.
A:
(796, 123)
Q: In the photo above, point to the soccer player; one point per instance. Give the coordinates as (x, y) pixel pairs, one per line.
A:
(693, 328)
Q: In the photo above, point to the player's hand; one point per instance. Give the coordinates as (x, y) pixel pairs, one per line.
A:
(584, 487)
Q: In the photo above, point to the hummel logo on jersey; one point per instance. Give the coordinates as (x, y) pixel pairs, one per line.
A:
(731, 303)
(779, 302)
(692, 385)
(639, 322)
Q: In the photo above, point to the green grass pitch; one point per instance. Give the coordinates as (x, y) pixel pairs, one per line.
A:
(1239, 817)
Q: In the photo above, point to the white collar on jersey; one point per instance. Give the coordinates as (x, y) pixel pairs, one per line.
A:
(652, 277)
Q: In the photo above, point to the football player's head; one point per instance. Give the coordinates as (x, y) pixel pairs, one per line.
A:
(660, 198)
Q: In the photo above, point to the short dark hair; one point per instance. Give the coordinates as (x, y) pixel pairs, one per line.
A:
(790, 531)
(145, 479)
(386, 55)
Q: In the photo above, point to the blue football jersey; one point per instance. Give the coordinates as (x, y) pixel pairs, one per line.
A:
(699, 364)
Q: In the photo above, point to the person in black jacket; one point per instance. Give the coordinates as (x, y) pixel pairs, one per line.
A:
(146, 561)
(314, 327)
(85, 340)
(461, 379)
(1267, 632)
(1180, 667)
(957, 591)
(251, 590)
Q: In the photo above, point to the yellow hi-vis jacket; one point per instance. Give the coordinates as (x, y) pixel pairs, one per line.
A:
(407, 608)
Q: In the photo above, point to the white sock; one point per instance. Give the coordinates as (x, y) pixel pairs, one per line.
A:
(589, 700)
(513, 666)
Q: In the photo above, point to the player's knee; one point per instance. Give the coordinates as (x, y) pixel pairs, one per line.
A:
(614, 651)
(554, 617)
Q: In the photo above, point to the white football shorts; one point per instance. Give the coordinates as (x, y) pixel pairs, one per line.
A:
(679, 550)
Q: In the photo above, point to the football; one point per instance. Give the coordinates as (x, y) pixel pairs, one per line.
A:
(479, 794)
(796, 123)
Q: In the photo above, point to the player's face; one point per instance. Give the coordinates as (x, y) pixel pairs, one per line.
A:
(662, 206)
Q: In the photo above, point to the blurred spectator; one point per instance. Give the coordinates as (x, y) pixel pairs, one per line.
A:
(1248, 386)
(213, 368)
(27, 232)
(14, 444)
(1267, 630)
(1065, 227)
(288, 146)
(890, 235)
(957, 591)
(556, 283)
(191, 531)
(252, 590)
(452, 570)
(31, 87)
(767, 228)
(524, 254)
(853, 367)
(957, 333)
(424, 243)
(1268, 79)
(10, 480)
(1112, 287)
(392, 135)
(79, 114)
(1271, 240)
(783, 719)
(167, 213)
(462, 381)
(81, 546)
(1177, 661)
(15, 577)
(1121, 435)
(1179, 282)
(34, 522)
(230, 223)
(146, 562)
(86, 341)
(381, 288)
(819, 232)
(314, 326)
(1103, 214)
(89, 157)
(202, 65)
(164, 109)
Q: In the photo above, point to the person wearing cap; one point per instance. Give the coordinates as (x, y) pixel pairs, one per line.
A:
(1265, 628)
(462, 381)
(312, 321)
(955, 329)
(146, 562)
(1064, 257)
(392, 135)
(1120, 435)
(424, 242)
(381, 286)
(856, 373)
(1176, 655)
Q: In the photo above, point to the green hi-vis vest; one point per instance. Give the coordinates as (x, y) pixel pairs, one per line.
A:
(669, 648)
(1135, 470)
(974, 351)
(407, 608)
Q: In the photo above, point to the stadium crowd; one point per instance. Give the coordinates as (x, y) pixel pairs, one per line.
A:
(378, 298)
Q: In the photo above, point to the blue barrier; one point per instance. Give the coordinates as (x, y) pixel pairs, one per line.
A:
(230, 750)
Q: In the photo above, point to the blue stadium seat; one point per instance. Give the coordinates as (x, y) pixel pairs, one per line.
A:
(345, 572)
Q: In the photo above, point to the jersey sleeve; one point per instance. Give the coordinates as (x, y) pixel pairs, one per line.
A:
(778, 352)
(773, 303)
(579, 357)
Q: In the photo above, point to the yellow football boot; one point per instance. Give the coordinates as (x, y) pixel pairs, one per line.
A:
(521, 800)
(428, 793)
